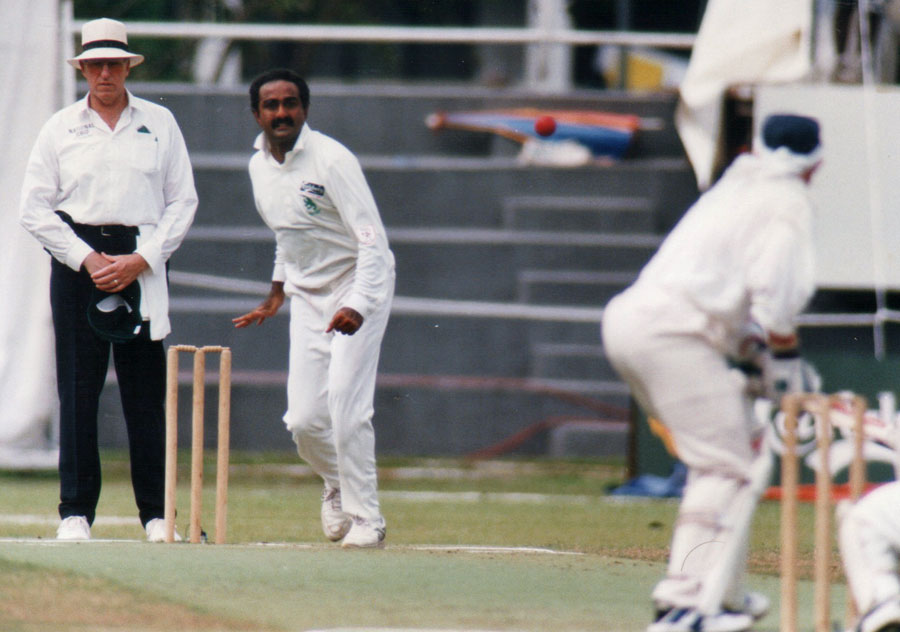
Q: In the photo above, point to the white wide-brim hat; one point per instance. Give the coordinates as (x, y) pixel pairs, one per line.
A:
(104, 39)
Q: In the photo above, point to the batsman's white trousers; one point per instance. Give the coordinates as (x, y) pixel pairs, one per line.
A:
(331, 391)
(680, 379)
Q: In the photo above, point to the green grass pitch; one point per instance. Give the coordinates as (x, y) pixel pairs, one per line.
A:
(500, 545)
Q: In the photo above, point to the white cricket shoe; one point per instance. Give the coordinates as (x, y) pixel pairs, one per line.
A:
(365, 534)
(74, 528)
(156, 531)
(689, 620)
(755, 604)
(335, 523)
(882, 618)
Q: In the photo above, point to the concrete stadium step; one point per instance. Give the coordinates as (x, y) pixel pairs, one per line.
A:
(588, 438)
(490, 271)
(453, 191)
(569, 360)
(441, 415)
(478, 418)
(258, 402)
(579, 212)
(414, 343)
(202, 322)
(571, 287)
(465, 264)
(390, 118)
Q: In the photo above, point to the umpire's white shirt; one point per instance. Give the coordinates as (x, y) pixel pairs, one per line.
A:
(136, 175)
(328, 233)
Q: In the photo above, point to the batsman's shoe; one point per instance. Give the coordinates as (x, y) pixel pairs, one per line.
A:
(156, 531)
(689, 620)
(755, 604)
(335, 523)
(885, 617)
(74, 528)
(365, 534)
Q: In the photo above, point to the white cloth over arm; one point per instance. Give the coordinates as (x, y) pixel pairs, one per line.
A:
(739, 42)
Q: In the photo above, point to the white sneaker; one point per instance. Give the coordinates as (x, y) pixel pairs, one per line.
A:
(689, 620)
(74, 528)
(755, 604)
(365, 534)
(882, 618)
(156, 531)
(335, 523)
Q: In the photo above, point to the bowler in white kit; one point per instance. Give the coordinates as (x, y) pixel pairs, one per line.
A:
(333, 262)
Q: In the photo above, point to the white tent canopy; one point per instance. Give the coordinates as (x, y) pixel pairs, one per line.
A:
(29, 66)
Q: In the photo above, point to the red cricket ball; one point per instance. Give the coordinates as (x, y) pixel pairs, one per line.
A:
(545, 125)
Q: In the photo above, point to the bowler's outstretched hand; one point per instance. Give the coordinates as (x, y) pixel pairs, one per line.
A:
(266, 309)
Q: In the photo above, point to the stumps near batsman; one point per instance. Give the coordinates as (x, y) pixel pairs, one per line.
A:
(819, 406)
(224, 429)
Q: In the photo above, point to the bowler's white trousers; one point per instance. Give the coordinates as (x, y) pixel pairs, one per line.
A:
(680, 379)
(331, 391)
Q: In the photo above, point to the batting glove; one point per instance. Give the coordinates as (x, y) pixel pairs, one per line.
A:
(785, 374)
(750, 357)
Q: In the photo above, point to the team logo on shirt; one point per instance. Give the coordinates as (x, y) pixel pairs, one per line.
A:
(311, 206)
(312, 187)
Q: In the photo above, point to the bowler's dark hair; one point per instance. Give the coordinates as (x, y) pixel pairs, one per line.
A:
(279, 74)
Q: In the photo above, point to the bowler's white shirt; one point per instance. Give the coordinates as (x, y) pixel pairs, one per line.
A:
(743, 251)
(138, 174)
(328, 232)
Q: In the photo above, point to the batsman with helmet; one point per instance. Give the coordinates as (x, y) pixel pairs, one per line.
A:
(724, 288)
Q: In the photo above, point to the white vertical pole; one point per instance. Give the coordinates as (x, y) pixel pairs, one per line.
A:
(67, 47)
(887, 412)
(876, 208)
(548, 67)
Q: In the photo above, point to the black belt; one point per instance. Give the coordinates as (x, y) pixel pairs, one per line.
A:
(105, 230)
(101, 238)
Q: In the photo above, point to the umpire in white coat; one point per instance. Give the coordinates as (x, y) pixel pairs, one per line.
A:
(333, 261)
(725, 285)
(109, 192)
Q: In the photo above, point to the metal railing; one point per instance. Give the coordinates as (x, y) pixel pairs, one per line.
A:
(543, 36)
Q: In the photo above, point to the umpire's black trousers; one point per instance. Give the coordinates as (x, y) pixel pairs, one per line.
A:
(82, 360)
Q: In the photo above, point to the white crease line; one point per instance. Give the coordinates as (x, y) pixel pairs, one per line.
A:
(367, 629)
(490, 549)
(54, 542)
(29, 519)
(476, 497)
(450, 548)
(446, 548)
